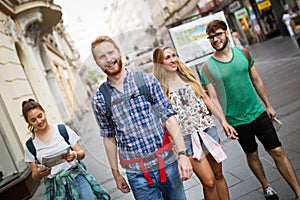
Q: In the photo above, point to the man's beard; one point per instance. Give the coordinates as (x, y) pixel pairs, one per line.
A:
(116, 71)
(224, 45)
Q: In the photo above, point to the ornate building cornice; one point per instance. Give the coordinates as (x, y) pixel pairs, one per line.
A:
(37, 18)
(10, 29)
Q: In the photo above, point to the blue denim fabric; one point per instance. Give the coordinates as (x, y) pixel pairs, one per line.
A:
(170, 190)
(212, 132)
(86, 192)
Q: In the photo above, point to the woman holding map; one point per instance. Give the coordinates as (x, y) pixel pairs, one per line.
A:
(53, 153)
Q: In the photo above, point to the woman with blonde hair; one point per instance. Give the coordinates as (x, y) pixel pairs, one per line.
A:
(193, 108)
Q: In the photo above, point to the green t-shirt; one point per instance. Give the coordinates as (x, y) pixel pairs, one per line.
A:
(236, 92)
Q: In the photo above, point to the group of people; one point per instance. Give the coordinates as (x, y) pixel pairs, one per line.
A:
(160, 126)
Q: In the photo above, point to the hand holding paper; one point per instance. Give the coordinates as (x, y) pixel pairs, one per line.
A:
(55, 158)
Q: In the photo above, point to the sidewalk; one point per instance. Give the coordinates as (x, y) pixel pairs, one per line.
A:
(278, 61)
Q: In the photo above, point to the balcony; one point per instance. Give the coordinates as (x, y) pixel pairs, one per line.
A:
(44, 14)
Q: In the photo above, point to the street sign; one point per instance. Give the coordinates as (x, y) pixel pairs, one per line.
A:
(234, 6)
(264, 5)
(241, 13)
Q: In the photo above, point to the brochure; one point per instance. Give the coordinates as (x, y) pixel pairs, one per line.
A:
(277, 124)
(55, 158)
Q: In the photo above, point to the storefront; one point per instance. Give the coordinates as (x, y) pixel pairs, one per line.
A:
(240, 18)
(245, 25)
(291, 7)
(255, 20)
(267, 19)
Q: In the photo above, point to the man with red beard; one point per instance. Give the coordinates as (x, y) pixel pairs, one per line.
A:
(232, 73)
(136, 131)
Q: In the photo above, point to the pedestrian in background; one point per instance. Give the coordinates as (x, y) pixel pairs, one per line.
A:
(151, 167)
(286, 18)
(237, 39)
(230, 68)
(67, 179)
(192, 106)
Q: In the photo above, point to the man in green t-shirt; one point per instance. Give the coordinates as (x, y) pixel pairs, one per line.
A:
(230, 76)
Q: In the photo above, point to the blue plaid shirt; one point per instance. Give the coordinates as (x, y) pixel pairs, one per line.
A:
(138, 130)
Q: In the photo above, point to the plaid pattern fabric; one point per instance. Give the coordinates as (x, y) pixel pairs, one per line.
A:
(55, 187)
(138, 130)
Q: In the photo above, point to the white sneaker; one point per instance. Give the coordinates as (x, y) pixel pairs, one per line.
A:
(270, 194)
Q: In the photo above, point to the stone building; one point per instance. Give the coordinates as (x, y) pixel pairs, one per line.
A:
(166, 12)
(37, 60)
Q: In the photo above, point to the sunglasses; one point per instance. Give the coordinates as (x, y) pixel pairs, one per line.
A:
(216, 35)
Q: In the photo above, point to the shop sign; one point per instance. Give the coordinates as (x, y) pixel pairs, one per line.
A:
(255, 23)
(264, 5)
(234, 6)
(241, 13)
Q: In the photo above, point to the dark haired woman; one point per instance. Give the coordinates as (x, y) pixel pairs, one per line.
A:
(66, 179)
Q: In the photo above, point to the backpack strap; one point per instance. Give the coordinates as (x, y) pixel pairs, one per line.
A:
(207, 74)
(107, 101)
(143, 89)
(31, 148)
(212, 81)
(246, 52)
(63, 132)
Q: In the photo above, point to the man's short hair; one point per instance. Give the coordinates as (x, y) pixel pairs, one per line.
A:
(101, 39)
(215, 25)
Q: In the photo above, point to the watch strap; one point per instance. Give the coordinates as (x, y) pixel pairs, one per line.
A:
(183, 152)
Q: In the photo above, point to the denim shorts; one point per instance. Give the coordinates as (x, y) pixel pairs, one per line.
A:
(171, 189)
(263, 129)
(212, 132)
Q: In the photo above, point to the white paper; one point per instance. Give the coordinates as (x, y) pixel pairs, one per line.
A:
(276, 123)
(55, 158)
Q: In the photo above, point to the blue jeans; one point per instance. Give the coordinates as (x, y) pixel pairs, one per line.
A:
(86, 192)
(172, 189)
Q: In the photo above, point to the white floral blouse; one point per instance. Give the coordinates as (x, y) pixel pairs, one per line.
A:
(192, 113)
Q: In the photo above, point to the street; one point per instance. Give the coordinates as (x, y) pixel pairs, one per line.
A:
(278, 62)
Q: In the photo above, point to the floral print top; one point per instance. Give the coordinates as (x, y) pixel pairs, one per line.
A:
(192, 113)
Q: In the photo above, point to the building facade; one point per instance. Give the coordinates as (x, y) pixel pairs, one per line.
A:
(254, 20)
(37, 60)
(166, 12)
(140, 26)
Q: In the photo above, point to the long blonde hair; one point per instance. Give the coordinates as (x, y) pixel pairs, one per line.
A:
(183, 71)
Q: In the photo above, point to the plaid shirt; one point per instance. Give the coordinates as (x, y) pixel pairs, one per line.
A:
(55, 187)
(137, 129)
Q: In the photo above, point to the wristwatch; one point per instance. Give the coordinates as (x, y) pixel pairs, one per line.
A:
(183, 152)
